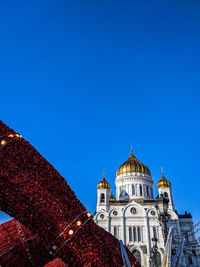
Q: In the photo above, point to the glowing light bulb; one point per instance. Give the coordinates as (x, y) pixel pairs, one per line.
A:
(71, 232)
(79, 223)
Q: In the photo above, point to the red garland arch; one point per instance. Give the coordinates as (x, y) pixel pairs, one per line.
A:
(18, 245)
(37, 196)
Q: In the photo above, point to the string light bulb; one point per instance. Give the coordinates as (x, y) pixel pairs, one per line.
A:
(3, 142)
(71, 232)
(79, 223)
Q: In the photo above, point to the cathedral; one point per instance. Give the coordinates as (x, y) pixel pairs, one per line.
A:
(142, 221)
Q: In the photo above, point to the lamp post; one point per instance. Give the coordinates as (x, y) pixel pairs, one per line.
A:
(162, 208)
(154, 249)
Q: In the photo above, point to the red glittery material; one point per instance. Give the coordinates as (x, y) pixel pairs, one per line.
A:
(56, 263)
(14, 245)
(34, 193)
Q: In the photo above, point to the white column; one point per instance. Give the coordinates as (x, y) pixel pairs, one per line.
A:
(117, 193)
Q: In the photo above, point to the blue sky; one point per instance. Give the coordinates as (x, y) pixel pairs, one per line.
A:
(82, 80)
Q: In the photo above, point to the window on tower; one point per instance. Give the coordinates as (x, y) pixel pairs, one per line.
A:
(152, 192)
(147, 191)
(133, 190)
(166, 195)
(140, 190)
(102, 197)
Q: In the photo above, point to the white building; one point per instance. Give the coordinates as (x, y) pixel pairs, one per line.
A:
(133, 217)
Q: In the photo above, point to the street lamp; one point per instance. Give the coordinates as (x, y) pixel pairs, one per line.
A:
(162, 208)
(154, 241)
(154, 250)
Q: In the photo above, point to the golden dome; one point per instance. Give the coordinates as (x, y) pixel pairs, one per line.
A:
(112, 197)
(132, 164)
(163, 182)
(103, 184)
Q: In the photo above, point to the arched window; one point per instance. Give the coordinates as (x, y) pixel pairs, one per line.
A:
(115, 231)
(102, 197)
(119, 190)
(133, 190)
(134, 234)
(166, 195)
(147, 191)
(190, 260)
(130, 234)
(140, 190)
(154, 232)
(139, 234)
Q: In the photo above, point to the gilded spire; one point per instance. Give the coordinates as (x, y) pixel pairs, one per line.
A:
(131, 149)
(162, 172)
(103, 183)
(111, 196)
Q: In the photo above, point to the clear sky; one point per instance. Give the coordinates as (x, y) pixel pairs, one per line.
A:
(82, 80)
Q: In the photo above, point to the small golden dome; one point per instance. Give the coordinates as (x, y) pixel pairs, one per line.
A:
(103, 184)
(112, 197)
(163, 182)
(132, 164)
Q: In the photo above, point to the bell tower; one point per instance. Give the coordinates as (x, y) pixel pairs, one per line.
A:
(164, 188)
(103, 194)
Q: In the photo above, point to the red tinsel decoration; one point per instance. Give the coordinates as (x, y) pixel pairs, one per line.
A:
(18, 245)
(56, 263)
(33, 192)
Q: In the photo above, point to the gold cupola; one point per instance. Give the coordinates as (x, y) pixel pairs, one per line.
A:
(103, 184)
(163, 181)
(132, 164)
(112, 198)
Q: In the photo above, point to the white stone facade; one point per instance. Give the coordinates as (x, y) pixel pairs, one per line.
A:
(132, 217)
